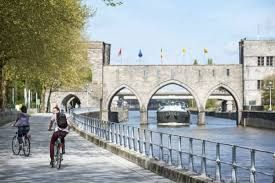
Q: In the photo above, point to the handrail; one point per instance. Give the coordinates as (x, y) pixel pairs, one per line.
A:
(171, 149)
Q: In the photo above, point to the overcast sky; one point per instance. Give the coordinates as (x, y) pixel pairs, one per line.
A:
(150, 25)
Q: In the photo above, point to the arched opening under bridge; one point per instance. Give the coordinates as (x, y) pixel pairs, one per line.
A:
(70, 101)
(222, 107)
(176, 97)
(122, 104)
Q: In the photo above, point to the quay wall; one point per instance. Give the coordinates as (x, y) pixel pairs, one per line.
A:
(258, 119)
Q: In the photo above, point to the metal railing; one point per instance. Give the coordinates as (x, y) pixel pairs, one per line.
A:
(84, 110)
(220, 161)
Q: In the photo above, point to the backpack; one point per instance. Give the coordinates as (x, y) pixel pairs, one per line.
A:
(23, 120)
(62, 121)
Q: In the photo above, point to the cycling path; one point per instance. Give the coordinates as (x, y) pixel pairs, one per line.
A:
(83, 161)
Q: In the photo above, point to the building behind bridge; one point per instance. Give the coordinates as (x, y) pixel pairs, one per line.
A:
(258, 60)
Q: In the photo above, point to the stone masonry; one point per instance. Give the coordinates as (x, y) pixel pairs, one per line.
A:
(145, 80)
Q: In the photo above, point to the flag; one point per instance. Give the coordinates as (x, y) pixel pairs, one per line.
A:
(183, 51)
(161, 56)
(140, 53)
(119, 52)
(205, 50)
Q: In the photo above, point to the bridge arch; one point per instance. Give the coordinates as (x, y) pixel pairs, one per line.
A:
(232, 93)
(70, 101)
(176, 82)
(115, 91)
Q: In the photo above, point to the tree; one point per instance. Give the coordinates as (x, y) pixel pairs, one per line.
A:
(38, 36)
(210, 61)
(195, 62)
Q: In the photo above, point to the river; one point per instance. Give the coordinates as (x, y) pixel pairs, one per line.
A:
(223, 131)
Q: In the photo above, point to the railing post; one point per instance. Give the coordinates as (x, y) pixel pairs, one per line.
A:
(234, 165)
(273, 168)
(160, 147)
(134, 139)
(170, 149)
(110, 135)
(112, 132)
(124, 136)
(151, 153)
(139, 145)
(191, 161)
(116, 139)
(180, 163)
(252, 167)
(91, 127)
(120, 137)
(144, 143)
(203, 159)
(218, 163)
(128, 137)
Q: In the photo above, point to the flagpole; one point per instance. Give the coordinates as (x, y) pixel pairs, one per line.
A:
(121, 59)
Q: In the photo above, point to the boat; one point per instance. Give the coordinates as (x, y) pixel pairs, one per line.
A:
(173, 113)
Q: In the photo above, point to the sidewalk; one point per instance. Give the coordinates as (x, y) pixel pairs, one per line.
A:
(83, 161)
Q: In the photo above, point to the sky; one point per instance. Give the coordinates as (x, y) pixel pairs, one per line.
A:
(171, 25)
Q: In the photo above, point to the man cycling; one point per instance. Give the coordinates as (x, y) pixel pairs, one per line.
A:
(59, 131)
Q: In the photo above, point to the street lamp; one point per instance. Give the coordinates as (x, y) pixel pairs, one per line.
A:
(270, 87)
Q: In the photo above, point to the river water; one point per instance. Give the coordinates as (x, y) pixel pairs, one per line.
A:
(218, 130)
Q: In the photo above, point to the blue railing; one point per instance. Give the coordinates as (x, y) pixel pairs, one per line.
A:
(221, 162)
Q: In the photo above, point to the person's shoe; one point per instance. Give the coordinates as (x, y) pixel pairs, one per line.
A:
(52, 163)
(20, 147)
(63, 151)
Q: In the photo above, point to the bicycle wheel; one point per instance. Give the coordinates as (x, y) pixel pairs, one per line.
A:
(15, 145)
(58, 156)
(26, 146)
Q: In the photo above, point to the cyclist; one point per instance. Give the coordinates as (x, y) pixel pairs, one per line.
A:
(22, 122)
(59, 131)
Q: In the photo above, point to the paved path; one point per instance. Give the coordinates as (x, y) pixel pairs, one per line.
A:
(83, 161)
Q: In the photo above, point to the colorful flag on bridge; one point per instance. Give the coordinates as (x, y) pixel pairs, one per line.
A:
(183, 51)
(140, 53)
(119, 52)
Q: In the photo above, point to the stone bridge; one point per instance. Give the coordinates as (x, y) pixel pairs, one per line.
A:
(145, 80)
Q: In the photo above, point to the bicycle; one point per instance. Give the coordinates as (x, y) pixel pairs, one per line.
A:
(25, 145)
(58, 154)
